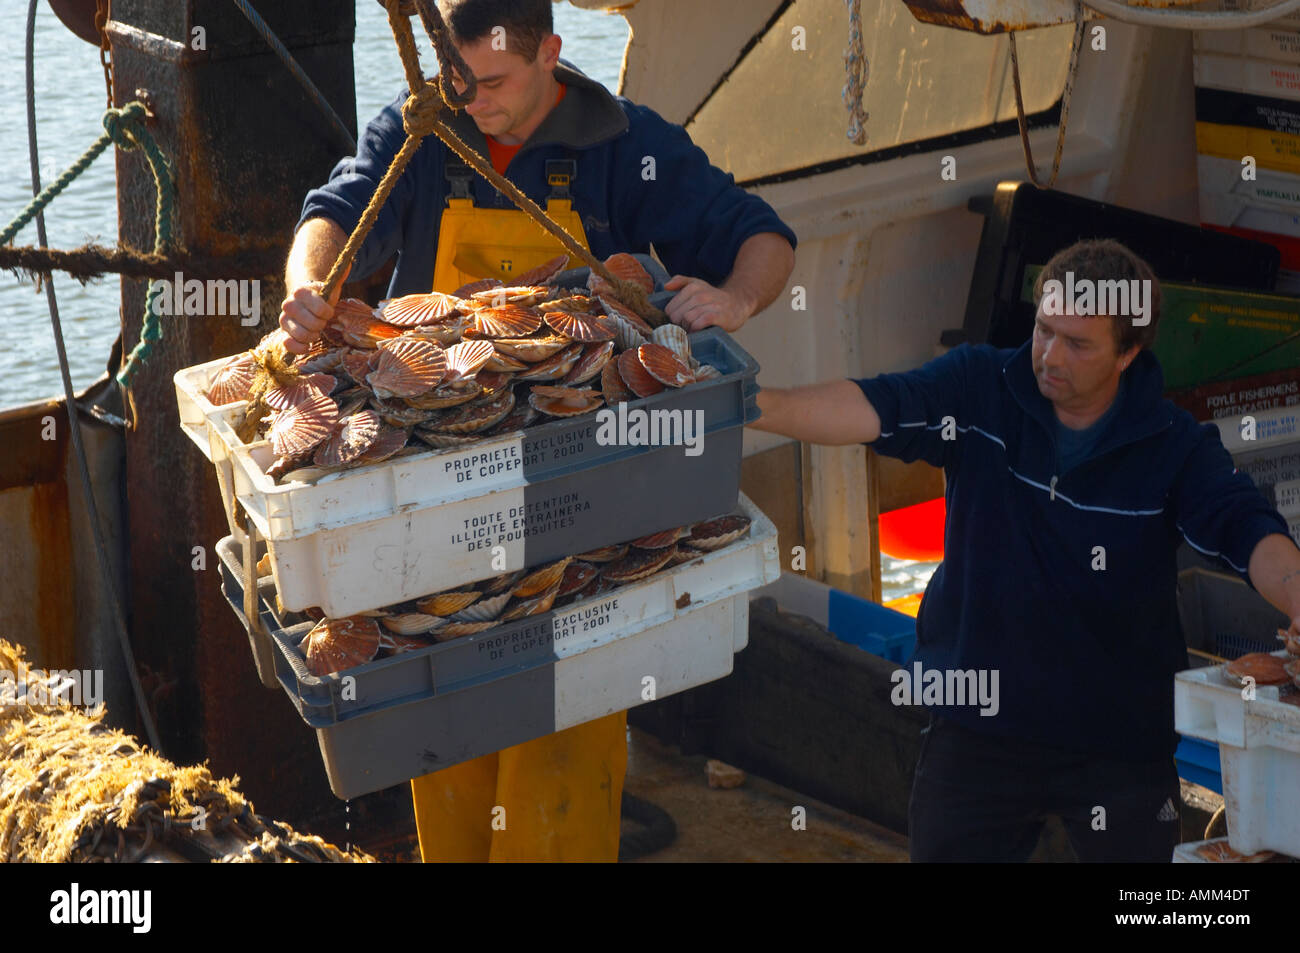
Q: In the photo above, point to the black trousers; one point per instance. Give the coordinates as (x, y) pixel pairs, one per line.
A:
(978, 797)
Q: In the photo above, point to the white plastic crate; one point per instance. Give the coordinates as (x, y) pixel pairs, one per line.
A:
(1259, 751)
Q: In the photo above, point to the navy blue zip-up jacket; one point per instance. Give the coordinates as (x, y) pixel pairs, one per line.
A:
(639, 180)
(1086, 657)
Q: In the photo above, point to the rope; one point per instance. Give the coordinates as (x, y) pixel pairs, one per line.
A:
(856, 71)
(313, 93)
(1075, 46)
(96, 261)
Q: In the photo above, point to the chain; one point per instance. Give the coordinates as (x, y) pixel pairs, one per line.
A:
(102, 15)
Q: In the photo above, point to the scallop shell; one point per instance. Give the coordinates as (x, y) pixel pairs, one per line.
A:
(447, 395)
(397, 414)
(543, 273)
(707, 372)
(506, 321)
(483, 284)
(503, 363)
(521, 295)
(407, 367)
(519, 418)
(444, 440)
(234, 380)
(541, 579)
(635, 376)
(591, 362)
(390, 643)
(624, 266)
(612, 386)
(454, 630)
(388, 443)
(363, 330)
(682, 556)
(564, 401)
(358, 363)
(337, 644)
(575, 302)
(411, 623)
(579, 326)
(492, 382)
(576, 576)
(1292, 642)
(718, 532)
(301, 389)
(1264, 668)
(534, 605)
(663, 538)
(485, 610)
(300, 428)
(614, 308)
(664, 366)
(532, 349)
(555, 366)
(465, 359)
(444, 334)
(447, 603)
(419, 309)
(471, 418)
(353, 436)
(502, 582)
(675, 338)
(638, 564)
(606, 554)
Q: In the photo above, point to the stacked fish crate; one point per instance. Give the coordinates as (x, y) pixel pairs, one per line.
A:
(475, 591)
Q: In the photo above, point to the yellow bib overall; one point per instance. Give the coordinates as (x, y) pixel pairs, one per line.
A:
(556, 798)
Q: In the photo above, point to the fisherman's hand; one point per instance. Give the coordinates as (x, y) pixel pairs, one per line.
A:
(304, 314)
(698, 305)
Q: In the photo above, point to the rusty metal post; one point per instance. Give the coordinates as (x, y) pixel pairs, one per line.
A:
(246, 144)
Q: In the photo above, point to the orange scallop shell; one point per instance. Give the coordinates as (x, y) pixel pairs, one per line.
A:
(638, 564)
(354, 435)
(606, 554)
(511, 295)
(465, 359)
(533, 605)
(234, 380)
(544, 272)
(445, 603)
(407, 367)
(574, 302)
(419, 309)
(593, 360)
(580, 326)
(663, 365)
(614, 308)
(661, 539)
(635, 375)
(540, 579)
(447, 395)
(717, 532)
(504, 363)
(483, 284)
(362, 330)
(302, 426)
(337, 644)
(454, 630)
(303, 388)
(624, 266)
(389, 441)
(471, 418)
(531, 349)
(555, 366)
(1264, 668)
(564, 401)
(612, 386)
(358, 363)
(506, 321)
(492, 382)
(577, 575)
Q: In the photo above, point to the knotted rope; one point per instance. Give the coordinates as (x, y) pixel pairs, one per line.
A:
(856, 71)
(1075, 45)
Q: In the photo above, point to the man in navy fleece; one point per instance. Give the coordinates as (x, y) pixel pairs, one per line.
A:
(1070, 484)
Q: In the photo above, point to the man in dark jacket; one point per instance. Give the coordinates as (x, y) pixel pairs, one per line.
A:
(1070, 483)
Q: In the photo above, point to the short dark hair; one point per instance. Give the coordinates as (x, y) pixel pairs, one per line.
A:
(1104, 259)
(527, 22)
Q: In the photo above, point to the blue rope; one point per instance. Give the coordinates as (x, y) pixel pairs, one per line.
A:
(313, 93)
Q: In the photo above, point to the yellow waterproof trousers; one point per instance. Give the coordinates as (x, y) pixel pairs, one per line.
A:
(556, 798)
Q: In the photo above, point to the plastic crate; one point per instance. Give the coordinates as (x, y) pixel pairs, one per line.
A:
(1259, 750)
(868, 625)
(230, 553)
(1198, 762)
(1222, 615)
(397, 530)
(396, 718)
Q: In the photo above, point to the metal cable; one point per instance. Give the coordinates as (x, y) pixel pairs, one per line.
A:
(74, 419)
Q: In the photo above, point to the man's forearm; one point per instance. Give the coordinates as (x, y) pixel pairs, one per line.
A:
(315, 249)
(1275, 571)
(763, 266)
(834, 413)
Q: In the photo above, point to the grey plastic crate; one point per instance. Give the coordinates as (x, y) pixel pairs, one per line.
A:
(230, 560)
(1223, 616)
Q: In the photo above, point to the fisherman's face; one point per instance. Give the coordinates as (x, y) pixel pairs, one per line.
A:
(1076, 360)
(512, 92)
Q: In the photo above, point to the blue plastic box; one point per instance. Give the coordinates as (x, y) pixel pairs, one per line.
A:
(875, 628)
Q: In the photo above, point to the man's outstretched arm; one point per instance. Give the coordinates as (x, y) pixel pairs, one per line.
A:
(835, 413)
(763, 266)
(1275, 573)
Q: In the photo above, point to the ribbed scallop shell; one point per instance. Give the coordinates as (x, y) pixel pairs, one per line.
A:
(507, 321)
(543, 273)
(554, 367)
(504, 364)
(447, 395)
(390, 643)
(541, 579)
(447, 603)
(707, 372)
(234, 380)
(407, 368)
(612, 386)
(606, 554)
(522, 416)
(675, 338)
(419, 309)
(411, 623)
(363, 330)
(492, 382)
(616, 309)
(532, 349)
(298, 429)
(564, 401)
(638, 564)
(301, 389)
(522, 295)
(442, 441)
(387, 444)
(485, 610)
(471, 418)
(682, 556)
(575, 302)
(397, 413)
(502, 583)
(354, 435)
(718, 532)
(663, 538)
(454, 630)
(465, 359)
(663, 365)
(535, 605)
(624, 266)
(334, 645)
(483, 284)
(1265, 669)
(444, 334)
(638, 380)
(358, 363)
(591, 362)
(576, 575)
(587, 328)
